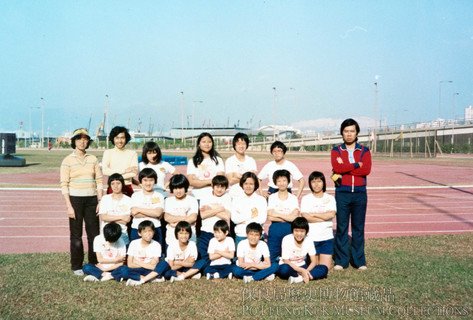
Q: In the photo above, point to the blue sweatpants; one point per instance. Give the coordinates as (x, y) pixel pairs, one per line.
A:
(257, 275)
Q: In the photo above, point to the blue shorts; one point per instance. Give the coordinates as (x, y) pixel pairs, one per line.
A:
(324, 247)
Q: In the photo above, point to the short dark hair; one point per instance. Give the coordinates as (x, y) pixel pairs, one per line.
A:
(278, 144)
(148, 173)
(178, 181)
(281, 173)
(317, 175)
(112, 231)
(145, 224)
(254, 227)
(240, 136)
(350, 122)
(116, 131)
(151, 146)
(220, 180)
(221, 225)
(115, 177)
(183, 225)
(300, 223)
(248, 175)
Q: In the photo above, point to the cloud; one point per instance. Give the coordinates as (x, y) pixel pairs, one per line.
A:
(355, 28)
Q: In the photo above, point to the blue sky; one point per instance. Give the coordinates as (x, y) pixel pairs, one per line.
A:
(323, 58)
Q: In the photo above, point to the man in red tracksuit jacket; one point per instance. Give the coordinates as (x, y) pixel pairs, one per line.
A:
(351, 163)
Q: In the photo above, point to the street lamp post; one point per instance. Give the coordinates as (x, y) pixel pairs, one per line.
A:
(193, 117)
(182, 117)
(42, 122)
(440, 94)
(31, 125)
(274, 113)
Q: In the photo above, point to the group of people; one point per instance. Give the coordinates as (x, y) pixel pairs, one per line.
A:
(211, 221)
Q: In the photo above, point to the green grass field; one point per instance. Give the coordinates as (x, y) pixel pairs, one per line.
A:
(408, 278)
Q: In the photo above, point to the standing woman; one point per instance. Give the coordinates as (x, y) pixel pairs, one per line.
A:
(206, 164)
(120, 160)
(351, 163)
(81, 186)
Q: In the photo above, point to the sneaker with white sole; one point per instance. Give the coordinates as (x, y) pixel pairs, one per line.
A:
(208, 276)
(247, 279)
(178, 278)
(337, 267)
(78, 272)
(197, 276)
(133, 283)
(90, 278)
(106, 277)
(216, 275)
(363, 268)
(297, 279)
(270, 277)
(230, 276)
(156, 280)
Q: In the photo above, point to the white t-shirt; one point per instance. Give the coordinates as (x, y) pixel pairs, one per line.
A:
(109, 250)
(248, 209)
(110, 206)
(251, 255)
(144, 254)
(204, 171)
(281, 206)
(270, 167)
(233, 165)
(179, 207)
(294, 253)
(226, 244)
(175, 253)
(213, 201)
(319, 231)
(161, 169)
(146, 201)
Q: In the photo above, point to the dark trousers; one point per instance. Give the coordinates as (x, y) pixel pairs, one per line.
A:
(351, 206)
(318, 272)
(84, 209)
(223, 270)
(277, 231)
(257, 275)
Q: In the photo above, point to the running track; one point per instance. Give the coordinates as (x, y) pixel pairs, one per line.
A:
(404, 200)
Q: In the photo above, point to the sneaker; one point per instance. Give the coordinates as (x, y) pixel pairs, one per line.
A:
(208, 276)
(247, 279)
(363, 268)
(133, 283)
(106, 277)
(90, 278)
(297, 279)
(157, 280)
(197, 276)
(78, 272)
(230, 276)
(338, 267)
(270, 277)
(216, 275)
(178, 278)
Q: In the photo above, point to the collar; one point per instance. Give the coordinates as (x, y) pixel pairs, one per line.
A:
(357, 146)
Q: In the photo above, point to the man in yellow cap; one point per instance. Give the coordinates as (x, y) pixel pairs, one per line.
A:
(81, 186)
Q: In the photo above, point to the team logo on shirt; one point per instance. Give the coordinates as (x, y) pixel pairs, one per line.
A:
(254, 212)
(297, 256)
(162, 169)
(155, 199)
